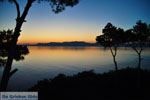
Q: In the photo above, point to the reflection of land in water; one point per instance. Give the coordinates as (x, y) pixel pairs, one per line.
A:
(20, 52)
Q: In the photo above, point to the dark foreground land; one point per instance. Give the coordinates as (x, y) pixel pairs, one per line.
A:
(124, 84)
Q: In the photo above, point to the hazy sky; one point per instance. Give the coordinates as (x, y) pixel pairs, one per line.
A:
(80, 23)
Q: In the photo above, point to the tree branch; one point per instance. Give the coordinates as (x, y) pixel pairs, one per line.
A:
(18, 9)
(135, 49)
(27, 7)
(141, 50)
(12, 72)
(111, 51)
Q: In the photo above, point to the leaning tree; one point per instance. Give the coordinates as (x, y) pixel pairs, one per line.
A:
(57, 6)
(111, 38)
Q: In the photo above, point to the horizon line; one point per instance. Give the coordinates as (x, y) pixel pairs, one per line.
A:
(55, 42)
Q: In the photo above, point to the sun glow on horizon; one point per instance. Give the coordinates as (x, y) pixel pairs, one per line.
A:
(26, 41)
(83, 22)
(62, 34)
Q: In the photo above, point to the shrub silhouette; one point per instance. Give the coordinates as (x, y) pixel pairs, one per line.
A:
(89, 85)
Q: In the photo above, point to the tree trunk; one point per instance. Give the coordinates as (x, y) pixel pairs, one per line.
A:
(116, 66)
(139, 63)
(139, 75)
(11, 52)
(114, 57)
(139, 56)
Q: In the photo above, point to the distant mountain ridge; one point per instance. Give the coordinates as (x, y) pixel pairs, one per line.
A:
(73, 43)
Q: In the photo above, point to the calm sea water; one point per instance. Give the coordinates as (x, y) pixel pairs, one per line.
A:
(47, 62)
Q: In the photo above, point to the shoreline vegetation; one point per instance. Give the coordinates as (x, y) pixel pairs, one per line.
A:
(122, 84)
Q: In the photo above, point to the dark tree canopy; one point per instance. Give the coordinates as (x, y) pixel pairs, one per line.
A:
(57, 5)
(139, 35)
(5, 40)
(112, 36)
(6, 36)
(20, 53)
(141, 32)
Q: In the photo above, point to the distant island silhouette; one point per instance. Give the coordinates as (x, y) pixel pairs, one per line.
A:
(73, 43)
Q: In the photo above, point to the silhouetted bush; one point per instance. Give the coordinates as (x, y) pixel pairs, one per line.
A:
(121, 84)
